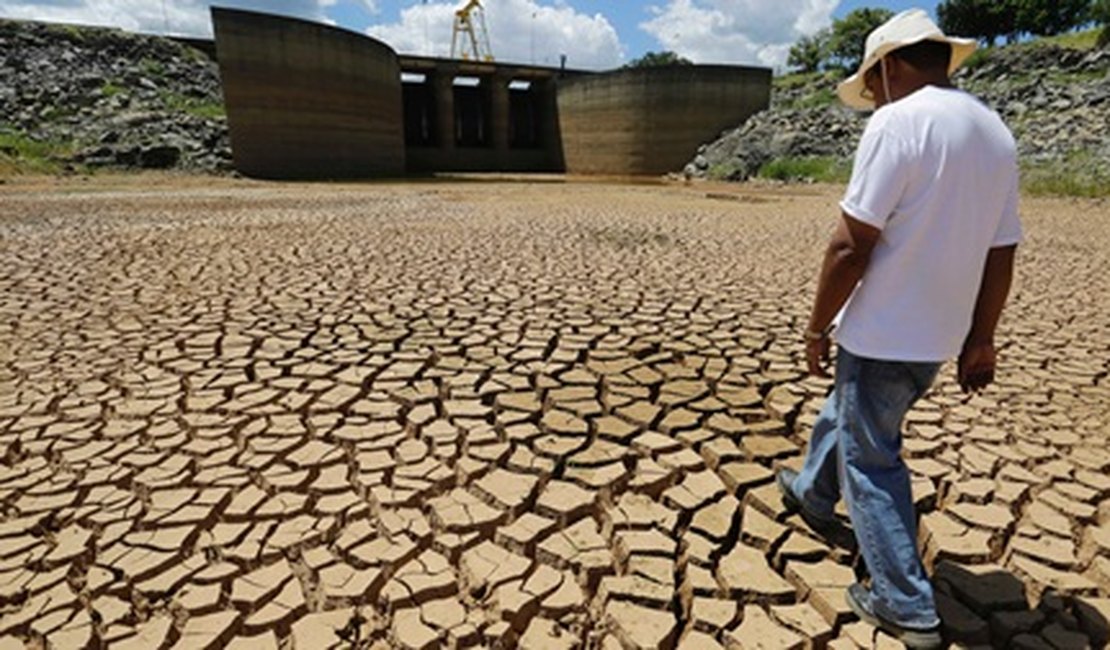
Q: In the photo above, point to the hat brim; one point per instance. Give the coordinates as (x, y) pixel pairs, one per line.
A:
(851, 89)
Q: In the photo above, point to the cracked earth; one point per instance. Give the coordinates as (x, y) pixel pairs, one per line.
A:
(502, 415)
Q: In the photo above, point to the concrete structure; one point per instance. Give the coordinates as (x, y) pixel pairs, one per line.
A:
(473, 116)
(306, 100)
(651, 120)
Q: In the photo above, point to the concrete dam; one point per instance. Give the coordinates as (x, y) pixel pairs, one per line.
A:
(310, 101)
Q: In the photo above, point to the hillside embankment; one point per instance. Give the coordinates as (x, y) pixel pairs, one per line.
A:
(81, 97)
(1055, 99)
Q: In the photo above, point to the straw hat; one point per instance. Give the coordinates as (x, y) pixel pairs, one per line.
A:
(909, 27)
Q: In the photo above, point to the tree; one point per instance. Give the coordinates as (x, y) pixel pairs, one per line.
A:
(1048, 17)
(1100, 13)
(658, 59)
(985, 20)
(810, 52)
(849, 34)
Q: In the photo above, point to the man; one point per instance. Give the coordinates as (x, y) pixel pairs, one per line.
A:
(918, 270)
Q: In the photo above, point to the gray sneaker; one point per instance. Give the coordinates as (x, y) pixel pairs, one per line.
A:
(859, 599)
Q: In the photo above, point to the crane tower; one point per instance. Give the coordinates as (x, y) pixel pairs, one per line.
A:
(470, 22)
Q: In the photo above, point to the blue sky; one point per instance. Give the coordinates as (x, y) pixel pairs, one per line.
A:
(625, 16)
(594, 34)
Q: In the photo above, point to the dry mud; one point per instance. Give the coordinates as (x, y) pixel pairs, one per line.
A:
(501, 414)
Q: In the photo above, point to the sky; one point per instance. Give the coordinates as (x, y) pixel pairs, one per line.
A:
(593, 34)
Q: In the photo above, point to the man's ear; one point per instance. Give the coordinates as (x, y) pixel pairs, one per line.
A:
(896, 68)
(890, 63)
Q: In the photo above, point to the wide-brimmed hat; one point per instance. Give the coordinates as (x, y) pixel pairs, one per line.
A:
(909, 27)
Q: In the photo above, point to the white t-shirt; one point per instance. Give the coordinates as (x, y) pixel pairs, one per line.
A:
(937, 172)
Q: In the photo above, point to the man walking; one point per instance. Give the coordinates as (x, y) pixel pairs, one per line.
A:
(918, 270)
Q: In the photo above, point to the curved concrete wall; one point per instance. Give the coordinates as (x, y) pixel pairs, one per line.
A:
(306, 100)
(651, 120)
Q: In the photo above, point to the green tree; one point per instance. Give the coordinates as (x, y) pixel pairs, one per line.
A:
(1048, 17)
(1100, 13)
(810, 52)
(985, 20)
(658, 59)
(849, 34)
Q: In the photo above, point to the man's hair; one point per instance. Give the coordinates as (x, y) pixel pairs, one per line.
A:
(926, 55)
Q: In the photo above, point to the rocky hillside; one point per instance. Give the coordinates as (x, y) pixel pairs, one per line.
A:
(1056, 100)
(78, 96)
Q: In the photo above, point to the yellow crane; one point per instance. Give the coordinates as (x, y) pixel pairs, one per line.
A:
(470, 21)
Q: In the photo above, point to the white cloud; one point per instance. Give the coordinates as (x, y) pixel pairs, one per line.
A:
(521, 31)
(737, 31)
(188, 17)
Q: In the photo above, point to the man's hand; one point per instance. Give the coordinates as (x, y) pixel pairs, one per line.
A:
(817, 356)
(975, 370)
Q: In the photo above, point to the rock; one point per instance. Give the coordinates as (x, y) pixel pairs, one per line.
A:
(804, 620)
(983, 588)
(159, 157)
(546, 634)
(1062, 638)
(960, 623)
(759, 632)
(745, 575)
(1006, 625)
(1094, 619)
(641, 627)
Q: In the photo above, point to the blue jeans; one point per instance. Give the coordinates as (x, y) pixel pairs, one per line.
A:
(856, 449)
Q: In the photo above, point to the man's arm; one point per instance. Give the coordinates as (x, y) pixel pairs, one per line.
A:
(846, 260)
(975, 369)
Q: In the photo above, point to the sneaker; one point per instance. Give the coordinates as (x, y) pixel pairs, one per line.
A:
(830, 528)
(859, 599)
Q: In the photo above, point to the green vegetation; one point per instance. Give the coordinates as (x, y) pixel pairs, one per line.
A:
(20, 154)
(817, 99)
(658, 60)
(839, 46)
(74, 33)
(111, 89)
(978, 58)
(814, 89)
(1079, 175)
(207, 110)
(795, 80)
(1083, 40)
(198, 107)
(721, 172)
(1100, 14)
(53, 113)
(849, 34)
(809, 53)
(152, 67)
(822, 169)
(1075, 77)
(989, 20)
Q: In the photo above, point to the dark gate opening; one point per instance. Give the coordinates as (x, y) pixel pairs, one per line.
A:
(472, 113)
(420, 111)
(524, 111)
